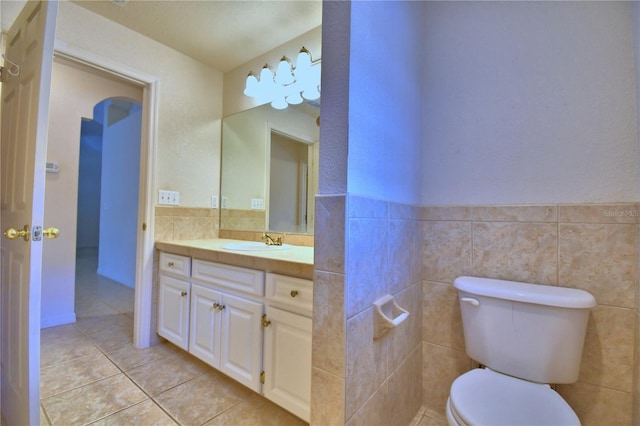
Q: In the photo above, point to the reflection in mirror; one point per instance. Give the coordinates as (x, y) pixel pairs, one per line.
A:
(269, 171)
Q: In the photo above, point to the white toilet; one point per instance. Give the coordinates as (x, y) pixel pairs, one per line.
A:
(527, 335)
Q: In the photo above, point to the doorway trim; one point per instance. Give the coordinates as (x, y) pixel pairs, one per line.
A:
(148, 144)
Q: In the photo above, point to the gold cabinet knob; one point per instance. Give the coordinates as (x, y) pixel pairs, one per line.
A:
(294, 293)
(184, 293)
(51, 232)
(13, 233)
(170, 264)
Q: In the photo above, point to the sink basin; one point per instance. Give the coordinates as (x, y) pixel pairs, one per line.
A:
(254, 246)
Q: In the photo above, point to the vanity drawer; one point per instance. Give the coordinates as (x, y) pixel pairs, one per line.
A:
(230, 277)
(295, 293)
(175, 264)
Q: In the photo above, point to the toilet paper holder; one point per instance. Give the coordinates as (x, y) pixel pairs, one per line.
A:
(386, 315)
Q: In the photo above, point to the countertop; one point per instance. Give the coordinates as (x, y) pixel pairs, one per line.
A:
(296, 261)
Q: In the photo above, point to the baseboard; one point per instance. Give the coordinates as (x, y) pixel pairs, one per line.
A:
(57, 320)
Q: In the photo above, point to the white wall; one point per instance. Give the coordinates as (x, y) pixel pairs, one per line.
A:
(529, 102)
(190, 100)
(74, 93)
(385, 130)
(119, 197)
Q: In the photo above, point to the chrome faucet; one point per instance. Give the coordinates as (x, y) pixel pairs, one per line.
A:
(270, 241)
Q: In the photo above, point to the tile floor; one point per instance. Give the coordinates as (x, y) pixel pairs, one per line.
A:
(91, 373)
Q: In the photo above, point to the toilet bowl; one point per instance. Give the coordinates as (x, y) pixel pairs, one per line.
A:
(485, 397)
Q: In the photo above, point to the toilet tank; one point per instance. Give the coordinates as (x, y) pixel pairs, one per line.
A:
(531, 331)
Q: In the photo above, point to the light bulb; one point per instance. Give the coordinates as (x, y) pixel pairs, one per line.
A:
(279, 103)
(284, 74)
(251, 85)
(303, 64)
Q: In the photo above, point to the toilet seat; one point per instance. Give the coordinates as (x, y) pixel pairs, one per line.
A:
(485, 397)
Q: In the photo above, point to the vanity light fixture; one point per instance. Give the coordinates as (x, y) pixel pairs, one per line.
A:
(289, 84)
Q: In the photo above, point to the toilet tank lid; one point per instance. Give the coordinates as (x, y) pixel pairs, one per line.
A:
(525, 292)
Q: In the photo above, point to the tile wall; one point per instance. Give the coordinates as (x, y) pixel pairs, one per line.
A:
(185, 223)
(359, 380)
(592, 247)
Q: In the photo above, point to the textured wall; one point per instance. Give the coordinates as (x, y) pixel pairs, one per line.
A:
(529, 102)
(189, 104)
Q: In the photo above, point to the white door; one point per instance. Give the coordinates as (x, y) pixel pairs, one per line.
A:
(204, 327)
(287, 361)
(25, 105)
(173, 311)
(241, 340)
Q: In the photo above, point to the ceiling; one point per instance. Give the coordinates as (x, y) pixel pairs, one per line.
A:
(221, 33)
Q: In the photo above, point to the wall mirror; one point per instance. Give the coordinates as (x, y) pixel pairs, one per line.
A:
(269, 170)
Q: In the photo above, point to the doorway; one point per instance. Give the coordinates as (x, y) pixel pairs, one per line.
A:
(63, 150)
(108, 178)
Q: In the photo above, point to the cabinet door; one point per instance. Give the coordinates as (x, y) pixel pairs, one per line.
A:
(173, 311)
(204, 335)
(241, 344)
(287, 361)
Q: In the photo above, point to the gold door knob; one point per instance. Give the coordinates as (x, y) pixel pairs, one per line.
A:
(13, 233)
(51, 232)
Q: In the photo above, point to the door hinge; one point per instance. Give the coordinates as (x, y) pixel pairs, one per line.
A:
(262, 377)
(265, 322)
(144, 226)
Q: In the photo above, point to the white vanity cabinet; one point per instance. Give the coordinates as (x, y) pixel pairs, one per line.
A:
(253, 326)
(226, 328)
(173, 299)
(287, 343)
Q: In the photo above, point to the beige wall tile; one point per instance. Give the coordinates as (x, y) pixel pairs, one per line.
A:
(404, 254)
(163, 228)
(447, 250)
(375, 411)
(532, 213)
(440, 367)
(405, 390)
(368, 266)
(516, 251)
(608, 353)
(596, 405)
(404, 338)
(329, 323)
(404, 211)
(598, 213)
(327, 399)
(191, 228)
(446, 213)
(330, 233)
(442, 320)
(366, 361)
(599, 258)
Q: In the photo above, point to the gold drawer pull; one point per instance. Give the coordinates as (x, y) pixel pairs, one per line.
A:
(294, 293)
(170, 264)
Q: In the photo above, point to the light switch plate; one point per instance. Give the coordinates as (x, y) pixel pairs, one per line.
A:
(169, 198)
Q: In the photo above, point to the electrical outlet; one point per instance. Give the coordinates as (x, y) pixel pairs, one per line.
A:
(214, 201)
(257, 204)
(225, 202)
(170, 198)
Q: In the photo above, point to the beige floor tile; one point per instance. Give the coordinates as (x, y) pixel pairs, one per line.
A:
(158, 376)
(112, 338)
(129, 357)
(255, 410)
(92, 402)
(68, 375)
(146, 413)
(99, 323)
(208, 396)
(56, 352)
